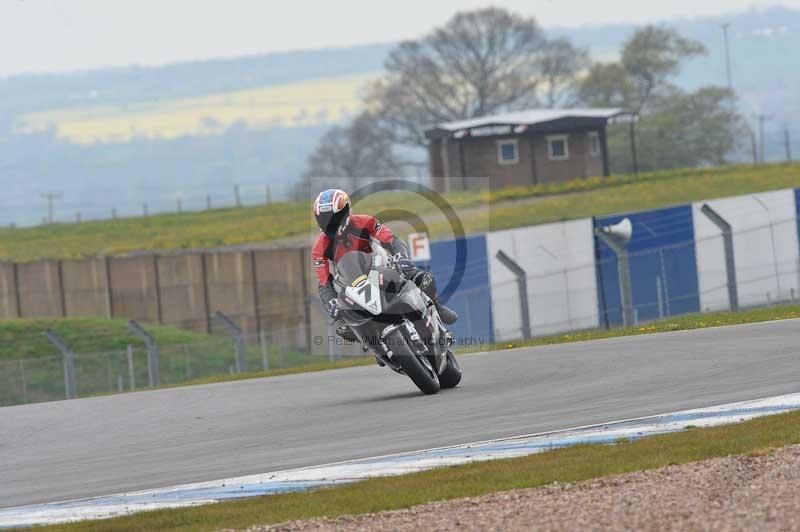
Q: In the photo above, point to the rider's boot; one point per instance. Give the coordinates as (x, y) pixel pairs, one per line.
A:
(344, 330)
(427, 284)
(448, 315)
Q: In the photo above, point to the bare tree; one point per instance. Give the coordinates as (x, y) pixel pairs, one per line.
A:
(561, 64)
(653, 55)
(606, 85)
(650, 58)
(479, 62)
(362, 149)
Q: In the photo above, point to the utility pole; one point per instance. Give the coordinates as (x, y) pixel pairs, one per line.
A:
(761, 119)
(269, 195)
(634, 154)
(50, 197)
(727, 55)
(753, 144)
(787, 142)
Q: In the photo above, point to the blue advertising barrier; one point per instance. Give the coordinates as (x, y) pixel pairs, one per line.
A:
(465, 285)
(662, 258)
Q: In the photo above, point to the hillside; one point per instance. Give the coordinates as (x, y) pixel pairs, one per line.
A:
(479, 211)
(115, 138)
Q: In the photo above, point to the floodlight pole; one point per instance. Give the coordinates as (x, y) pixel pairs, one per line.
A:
(623, 273)
(730, 261)
(69, 363)
(522, 287)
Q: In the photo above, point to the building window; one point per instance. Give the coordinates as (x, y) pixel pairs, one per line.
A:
(508, 151)
(594, 143)
(558, 147)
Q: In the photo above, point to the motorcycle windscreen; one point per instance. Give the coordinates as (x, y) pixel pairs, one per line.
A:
(352, 266)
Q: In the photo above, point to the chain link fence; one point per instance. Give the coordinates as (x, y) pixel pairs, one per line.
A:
(46, 377)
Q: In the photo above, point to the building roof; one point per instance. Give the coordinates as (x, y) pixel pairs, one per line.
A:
(529, 120)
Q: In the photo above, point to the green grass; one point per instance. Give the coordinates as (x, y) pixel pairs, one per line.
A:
(628, 194)
(571, 464)
(676, 323)
(480, 211)
(24, 338)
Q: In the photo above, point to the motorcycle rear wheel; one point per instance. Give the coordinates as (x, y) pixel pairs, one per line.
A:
(451, 375)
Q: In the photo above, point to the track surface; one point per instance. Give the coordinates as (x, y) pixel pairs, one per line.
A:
(97, 446)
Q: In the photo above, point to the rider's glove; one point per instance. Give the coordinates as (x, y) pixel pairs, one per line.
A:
(404, 264)
(333, 309)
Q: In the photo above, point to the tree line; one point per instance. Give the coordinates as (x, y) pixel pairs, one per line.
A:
(491, 60)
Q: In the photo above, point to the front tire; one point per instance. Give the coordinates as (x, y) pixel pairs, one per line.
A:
(451, 376)
(419, 371)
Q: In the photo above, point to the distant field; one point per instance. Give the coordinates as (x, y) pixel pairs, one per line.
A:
(296, 104)
(479, 211)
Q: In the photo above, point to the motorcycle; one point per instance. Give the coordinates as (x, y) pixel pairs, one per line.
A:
(392, 316)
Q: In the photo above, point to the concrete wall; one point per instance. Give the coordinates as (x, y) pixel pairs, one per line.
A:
(183, 296)
(8, 291)
(85, 287)
(765, 244)
(39, 284)
(559, 262)
(260, 290)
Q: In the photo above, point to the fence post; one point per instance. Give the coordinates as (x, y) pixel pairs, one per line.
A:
(238, 341)
(522, 287)
(617, 237)
(131, 374)
(262, 337)
(69, 363)
(153, 376)
(730, 261)
(659, 297)
(331, 339)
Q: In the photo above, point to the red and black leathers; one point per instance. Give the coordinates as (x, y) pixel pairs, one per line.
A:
(356, 235)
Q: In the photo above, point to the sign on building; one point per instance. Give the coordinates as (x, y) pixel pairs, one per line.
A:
(420, 247)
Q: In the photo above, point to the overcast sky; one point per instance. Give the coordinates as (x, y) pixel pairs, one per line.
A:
(58, 35)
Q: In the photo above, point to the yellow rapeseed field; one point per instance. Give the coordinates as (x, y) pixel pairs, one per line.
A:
(295, 104)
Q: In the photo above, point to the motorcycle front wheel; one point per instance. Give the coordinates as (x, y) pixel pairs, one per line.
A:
(415, 366)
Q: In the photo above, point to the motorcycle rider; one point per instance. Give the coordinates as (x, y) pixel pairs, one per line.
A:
(342, 232)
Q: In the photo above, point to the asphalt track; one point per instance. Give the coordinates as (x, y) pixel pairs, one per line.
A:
(97, 446)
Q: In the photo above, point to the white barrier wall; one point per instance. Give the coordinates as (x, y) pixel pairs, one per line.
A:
(765, 249)
(562, 287)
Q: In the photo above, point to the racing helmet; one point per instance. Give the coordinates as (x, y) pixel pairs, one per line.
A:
(331, 209)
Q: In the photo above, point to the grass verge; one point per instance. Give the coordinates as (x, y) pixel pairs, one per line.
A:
(232, 226)
(564, 465)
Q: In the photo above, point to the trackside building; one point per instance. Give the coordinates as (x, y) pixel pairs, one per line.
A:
(521, 148)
